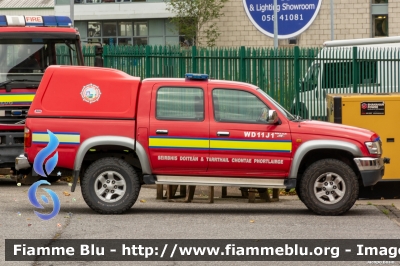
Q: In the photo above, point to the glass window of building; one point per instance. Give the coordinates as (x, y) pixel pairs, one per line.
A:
(125, 29)
(124, 41)
(109, 28)
(94, 29)
(151, 32)
(140, 41)
(379, 19)
(380, 26)
(141, 29)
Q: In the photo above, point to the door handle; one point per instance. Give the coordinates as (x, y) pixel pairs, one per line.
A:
(161, 131)
(223, 133)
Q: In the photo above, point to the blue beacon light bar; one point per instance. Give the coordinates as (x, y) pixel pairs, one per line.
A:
(3, 21)
(192, 76)
(31, 21)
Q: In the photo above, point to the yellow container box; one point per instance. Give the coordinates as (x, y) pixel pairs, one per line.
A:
(378, 112)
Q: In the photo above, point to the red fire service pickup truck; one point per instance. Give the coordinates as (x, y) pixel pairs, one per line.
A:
(116, 132)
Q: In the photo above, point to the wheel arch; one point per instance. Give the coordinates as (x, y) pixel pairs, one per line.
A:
(118, 141)
(318, 149)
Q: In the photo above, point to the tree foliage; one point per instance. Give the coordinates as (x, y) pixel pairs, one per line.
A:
(195, 19)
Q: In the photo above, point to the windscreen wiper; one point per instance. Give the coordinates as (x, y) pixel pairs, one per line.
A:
(16, 80)
(297, 118)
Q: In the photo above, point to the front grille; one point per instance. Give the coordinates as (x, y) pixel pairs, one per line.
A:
(13, 114)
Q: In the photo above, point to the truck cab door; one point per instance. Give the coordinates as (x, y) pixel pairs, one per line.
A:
(179, 129)
(241, 144)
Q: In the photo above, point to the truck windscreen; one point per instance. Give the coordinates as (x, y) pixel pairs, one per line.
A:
(28, 58)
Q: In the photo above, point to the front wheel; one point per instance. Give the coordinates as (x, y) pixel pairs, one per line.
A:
(329, 187)
(110, 186)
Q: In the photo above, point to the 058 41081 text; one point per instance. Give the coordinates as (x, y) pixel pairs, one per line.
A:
(286, 17)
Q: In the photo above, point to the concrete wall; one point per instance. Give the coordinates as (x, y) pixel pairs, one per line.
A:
(352, 20)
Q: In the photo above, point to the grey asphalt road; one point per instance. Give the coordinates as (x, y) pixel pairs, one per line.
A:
(154, 219)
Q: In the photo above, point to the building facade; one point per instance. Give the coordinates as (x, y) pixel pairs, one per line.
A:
(131, 22)
(352, 19)
(122, 22)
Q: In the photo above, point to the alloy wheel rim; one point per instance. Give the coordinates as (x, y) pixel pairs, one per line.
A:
(110, 186)
(329, 188)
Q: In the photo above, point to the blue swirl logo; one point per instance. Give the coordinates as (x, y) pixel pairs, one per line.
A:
(45, 169)
(32, 198)
(44, 153)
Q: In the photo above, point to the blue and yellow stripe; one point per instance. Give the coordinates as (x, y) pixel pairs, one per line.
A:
(251, 145)
(179, 143)
(24, 98)
(63, 137)
(221, 144)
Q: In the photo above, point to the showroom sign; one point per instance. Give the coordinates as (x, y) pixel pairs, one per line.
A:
(294, 16)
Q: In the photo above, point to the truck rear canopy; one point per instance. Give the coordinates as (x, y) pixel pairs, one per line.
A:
(86, 92)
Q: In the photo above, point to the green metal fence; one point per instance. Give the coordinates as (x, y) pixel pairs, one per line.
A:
(298, 78)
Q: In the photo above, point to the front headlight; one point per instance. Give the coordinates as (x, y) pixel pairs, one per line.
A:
(374, 147)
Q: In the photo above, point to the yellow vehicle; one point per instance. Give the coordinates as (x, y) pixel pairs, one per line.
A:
(379, 112)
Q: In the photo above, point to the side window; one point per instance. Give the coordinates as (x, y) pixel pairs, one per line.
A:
(237, 106)
(180, 104)
(337, 75)
(311, 80)
(368, 72)
(66, 54)
(340, 74)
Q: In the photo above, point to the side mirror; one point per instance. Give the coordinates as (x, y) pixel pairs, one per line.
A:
(272, 117)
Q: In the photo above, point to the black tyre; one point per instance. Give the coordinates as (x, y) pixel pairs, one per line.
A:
(298, 192)
(110, 186)
(329, 187)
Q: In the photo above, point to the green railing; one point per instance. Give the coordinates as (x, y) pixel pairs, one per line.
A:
(287, 74)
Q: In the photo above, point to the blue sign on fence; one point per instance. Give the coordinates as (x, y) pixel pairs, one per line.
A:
(294, 16)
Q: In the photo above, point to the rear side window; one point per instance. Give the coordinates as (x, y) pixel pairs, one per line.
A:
(237, 106)
(180, 104)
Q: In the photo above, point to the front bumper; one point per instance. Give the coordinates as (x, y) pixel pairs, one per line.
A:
(21, 162)
(371, 169)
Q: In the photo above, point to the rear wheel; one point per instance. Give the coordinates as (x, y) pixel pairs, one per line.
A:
(329, 187)
(110, 186)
